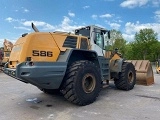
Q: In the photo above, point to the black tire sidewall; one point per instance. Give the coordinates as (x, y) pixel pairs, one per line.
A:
(130, 68)
(123, 83)
(91, 69)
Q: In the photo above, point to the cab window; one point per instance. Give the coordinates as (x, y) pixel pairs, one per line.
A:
(99, 40)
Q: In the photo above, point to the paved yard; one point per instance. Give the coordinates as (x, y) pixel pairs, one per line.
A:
(20, 101)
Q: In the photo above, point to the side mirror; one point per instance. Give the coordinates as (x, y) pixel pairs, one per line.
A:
(94, 37)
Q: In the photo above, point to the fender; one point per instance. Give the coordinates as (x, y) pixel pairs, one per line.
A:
(116, 65)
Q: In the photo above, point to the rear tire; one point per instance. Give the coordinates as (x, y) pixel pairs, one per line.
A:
(127, 78)
(82, 83)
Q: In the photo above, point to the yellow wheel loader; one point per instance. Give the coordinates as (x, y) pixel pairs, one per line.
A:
(6, 51)
(158, 66)
(74, 64)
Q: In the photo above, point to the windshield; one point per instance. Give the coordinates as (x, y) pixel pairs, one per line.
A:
(83, 32)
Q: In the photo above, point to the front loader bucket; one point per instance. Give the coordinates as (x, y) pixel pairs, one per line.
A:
(144, 72)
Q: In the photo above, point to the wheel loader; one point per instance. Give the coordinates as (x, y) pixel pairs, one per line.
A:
(158, 66)
(7, 47)
(76, 65)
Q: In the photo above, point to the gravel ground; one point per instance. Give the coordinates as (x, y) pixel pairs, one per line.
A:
(20, 101)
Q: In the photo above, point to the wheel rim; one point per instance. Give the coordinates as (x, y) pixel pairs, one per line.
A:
(88, 83)
(130, 77)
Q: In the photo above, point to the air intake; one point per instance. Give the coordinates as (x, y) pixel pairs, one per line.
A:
(70, 42)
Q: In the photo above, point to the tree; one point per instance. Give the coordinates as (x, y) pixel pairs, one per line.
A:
(156, 50)
(114, 35)
(129, 52)
(143, 46)
(116, 41)
(121, 45)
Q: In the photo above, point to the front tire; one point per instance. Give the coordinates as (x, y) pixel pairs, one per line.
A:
(127, 77)
(82, 83)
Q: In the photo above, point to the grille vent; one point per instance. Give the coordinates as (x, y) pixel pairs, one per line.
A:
(70, 42)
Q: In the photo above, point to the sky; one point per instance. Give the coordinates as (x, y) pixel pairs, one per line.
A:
(126, 16)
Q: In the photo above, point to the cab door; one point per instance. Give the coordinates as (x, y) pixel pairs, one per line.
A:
(98, 43)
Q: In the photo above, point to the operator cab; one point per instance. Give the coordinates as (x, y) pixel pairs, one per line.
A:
(96, 35)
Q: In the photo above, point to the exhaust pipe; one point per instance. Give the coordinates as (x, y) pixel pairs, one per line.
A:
(34, 28)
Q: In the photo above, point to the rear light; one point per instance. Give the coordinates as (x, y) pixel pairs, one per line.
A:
(30, 63)
(13, 73)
